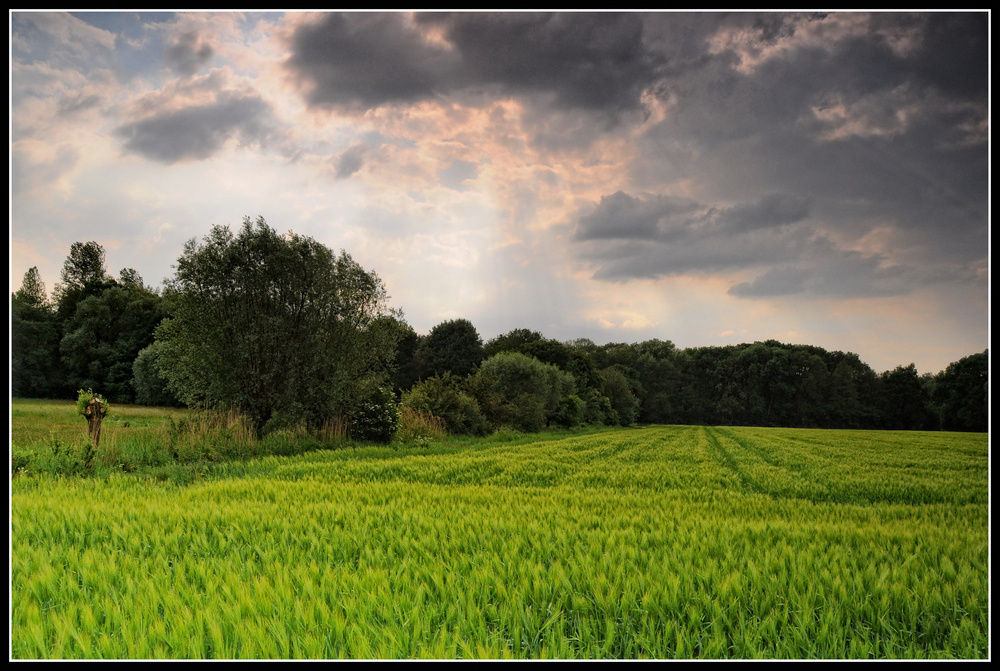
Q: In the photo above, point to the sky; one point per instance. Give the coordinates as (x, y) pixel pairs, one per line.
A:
(704, 178)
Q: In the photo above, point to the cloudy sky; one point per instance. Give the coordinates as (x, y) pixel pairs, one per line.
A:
(703, 178)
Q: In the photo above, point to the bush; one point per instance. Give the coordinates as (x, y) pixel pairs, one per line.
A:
(571, 411)
(443, 397)
(20, 459)
(520, 391)
(291, 419)
(377, 418)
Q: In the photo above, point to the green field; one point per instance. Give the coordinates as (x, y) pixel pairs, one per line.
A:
(662, 542)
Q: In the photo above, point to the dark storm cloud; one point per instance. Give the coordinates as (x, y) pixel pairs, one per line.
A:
(585, 61)
(952, 56)
(777, 282)
(626, 237)
(664, 219)
(198, 132)
(827, 272)
(365, 60)
(621, 216)
(623, 260)
(783, 262)
(589, 61)
(872, 122)
(187, 53)
(770, 211)
(886, 74)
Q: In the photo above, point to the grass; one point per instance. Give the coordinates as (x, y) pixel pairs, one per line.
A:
(170, 443)
(36, 421)
(664, 542)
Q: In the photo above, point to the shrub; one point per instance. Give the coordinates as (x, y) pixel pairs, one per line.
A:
(520, 391)
(377, 418)
(20, 459)
(443, 397)
(571, 411)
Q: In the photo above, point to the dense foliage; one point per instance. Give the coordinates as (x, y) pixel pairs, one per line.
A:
(451, 347)
(34, 342)
(89, 336)
(520, 392)
(962, 392)
(288, 332)
(274, 325)
(376, 418)
(445, 397)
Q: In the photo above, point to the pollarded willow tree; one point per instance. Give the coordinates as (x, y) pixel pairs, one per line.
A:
(275, 326)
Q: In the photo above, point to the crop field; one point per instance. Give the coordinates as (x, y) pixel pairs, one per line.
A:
(661, 542)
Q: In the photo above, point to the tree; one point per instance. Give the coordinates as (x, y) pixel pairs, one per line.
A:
(451, 347)
(105, 335)
(406, 366)
(961, 394)
(520, 391)
(34, 340)
(31, 295)
(84, 265)
(83, 275)
(129, 277)
(149, 384)
(623, 394)
(512, 341)
(903, 402)
(274, 325)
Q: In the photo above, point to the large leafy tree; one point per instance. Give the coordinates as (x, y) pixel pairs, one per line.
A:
(276, 326)
(452, 346)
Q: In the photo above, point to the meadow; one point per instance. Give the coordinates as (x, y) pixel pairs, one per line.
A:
(659, 542)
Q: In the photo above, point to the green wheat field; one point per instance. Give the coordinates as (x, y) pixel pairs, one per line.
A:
(660, 542)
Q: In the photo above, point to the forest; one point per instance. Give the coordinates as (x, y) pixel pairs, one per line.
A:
(287, 332)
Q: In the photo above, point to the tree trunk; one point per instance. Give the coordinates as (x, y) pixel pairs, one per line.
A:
(95, 413)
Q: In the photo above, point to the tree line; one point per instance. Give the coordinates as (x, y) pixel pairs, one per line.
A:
(290, 333)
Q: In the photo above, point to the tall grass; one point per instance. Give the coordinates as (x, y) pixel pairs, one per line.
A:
(419, 427)
(49, 437)
(669, 542)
